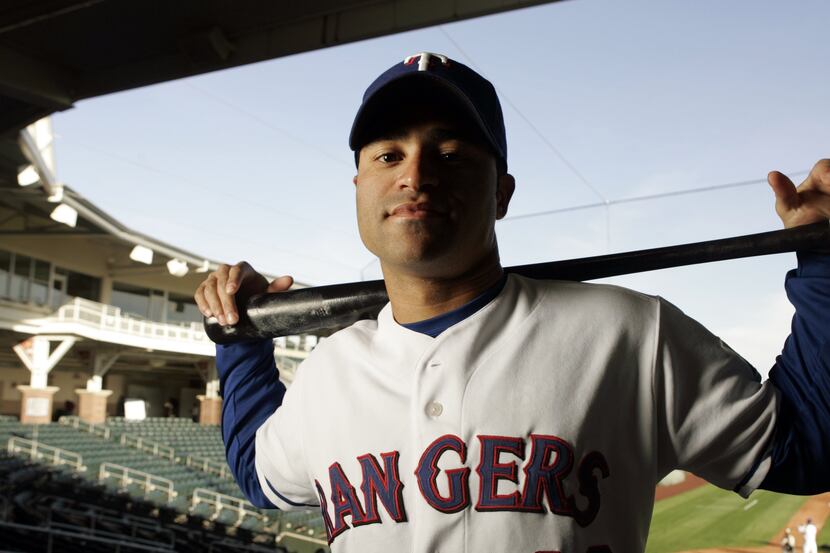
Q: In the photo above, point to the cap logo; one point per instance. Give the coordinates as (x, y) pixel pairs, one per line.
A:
(424, 59)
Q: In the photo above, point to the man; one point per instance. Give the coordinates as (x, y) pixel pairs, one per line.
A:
(490, 413)
(810, 531)
(788, 542)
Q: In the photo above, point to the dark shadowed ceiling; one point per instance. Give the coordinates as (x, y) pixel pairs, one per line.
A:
(56, 52)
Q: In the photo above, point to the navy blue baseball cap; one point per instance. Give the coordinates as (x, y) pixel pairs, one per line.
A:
(432, 73)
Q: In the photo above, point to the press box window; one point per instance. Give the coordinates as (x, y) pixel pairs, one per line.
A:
(20, 278)
(182, 309)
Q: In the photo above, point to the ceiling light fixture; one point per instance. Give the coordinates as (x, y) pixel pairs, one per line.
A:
(27, 176)
(142, 254)
(177, 267)
(65, 214)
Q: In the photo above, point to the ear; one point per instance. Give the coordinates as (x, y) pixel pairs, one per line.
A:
(505, 186)
(354, 180)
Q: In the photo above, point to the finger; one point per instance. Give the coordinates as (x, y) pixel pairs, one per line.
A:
(786, 195)
(236, 275)
(819, 177)
(201, 303)
(227, 300)
(281, 284)
(212, 299)
(227, 312)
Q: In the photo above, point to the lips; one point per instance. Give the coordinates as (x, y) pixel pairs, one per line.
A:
(416, 210)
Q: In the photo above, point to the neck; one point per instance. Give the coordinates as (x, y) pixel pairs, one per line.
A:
(415, 297)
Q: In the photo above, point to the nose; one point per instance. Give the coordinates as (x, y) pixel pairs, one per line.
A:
(418, 171)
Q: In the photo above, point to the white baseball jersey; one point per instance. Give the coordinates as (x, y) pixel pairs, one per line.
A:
(541, 423)
(810, 532)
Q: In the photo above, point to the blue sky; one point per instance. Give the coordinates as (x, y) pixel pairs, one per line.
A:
(603, 100)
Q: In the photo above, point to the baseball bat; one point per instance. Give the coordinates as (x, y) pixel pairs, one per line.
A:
(322, 308)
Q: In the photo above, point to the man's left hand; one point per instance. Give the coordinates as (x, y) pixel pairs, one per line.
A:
(809, 203)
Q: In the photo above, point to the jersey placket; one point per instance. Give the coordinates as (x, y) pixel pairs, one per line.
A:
(442, 472)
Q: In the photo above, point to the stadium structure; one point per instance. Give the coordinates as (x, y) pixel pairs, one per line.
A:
(106, 373)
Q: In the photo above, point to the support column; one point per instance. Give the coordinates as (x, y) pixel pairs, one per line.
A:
(92, 401)
(106, 290)
(210, 404)
(92, 406)
(36, 402)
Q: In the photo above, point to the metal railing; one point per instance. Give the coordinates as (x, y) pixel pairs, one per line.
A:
(302, 537)
(220, 502)
(210, 466)
(148, 446)
(127, 476)
(42, 452)
(94, 429)
(83, 538)
(87, 520)
(109, 317)
(301, 343)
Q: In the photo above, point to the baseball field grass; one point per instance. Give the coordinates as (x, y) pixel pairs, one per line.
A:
(824, 536)
(710, 517)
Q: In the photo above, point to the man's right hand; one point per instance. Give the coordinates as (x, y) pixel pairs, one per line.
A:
(229, 286)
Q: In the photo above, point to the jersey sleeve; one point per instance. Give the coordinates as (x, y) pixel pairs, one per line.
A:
(280, 444)
(251, 392)
(714, 417)
(800, 454)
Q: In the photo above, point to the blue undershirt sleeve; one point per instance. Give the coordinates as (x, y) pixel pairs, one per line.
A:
(251, 392)
(800, 453)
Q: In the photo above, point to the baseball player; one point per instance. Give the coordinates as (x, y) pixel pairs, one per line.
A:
(788, 542)
(810, 531)
(484, 412)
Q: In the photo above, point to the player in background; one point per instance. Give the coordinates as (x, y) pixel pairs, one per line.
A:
(788, 542)
(486, 412)
(810, 532)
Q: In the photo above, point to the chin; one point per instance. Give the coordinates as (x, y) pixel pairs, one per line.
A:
(418, 255)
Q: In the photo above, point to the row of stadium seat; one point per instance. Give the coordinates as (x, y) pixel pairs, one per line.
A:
(46, 509)
(96, 450)
(183, 435)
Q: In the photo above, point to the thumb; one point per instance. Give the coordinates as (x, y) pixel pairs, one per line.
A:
(786, 195)
(280, 284)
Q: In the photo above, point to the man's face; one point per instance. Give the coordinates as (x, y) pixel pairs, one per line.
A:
(428, 196)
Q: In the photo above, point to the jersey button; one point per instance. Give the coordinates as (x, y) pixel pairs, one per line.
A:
(434, 409)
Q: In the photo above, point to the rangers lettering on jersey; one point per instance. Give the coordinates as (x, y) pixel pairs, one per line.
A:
(548, 464)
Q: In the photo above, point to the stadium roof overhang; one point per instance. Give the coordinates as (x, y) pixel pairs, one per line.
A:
(30, 210)
(56, 52)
